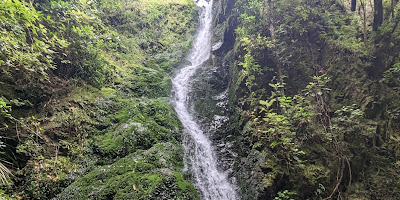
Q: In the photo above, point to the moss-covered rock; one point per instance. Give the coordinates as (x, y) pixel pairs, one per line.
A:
(146, 174)
(138, 125)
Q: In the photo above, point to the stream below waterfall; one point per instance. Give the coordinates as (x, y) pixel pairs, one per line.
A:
(212, 182)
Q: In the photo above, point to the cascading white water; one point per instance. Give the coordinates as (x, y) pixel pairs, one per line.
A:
(212, 183)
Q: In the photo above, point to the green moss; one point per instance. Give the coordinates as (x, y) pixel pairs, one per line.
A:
(84, 93)
(138, 125)
(110, 143)
(136, 176)
(123, 115)
(108, 92)
(315, 173)
(184, 185)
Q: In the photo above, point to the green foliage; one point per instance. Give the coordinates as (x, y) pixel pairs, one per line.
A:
(339, 102)
(344, 35)
(155, 24)
(280, 121)
(4, 196)
(26, 44)
(249, 25)
(51, 178)
(86, 69)
(317, 93)
(5, 174)
(318, 87)
(350, 120)
(250, 10)
(95, 68)
(250, 70)
(285, 195)
(4, 108)
(391, 76)
(4, 171)
(89, 40)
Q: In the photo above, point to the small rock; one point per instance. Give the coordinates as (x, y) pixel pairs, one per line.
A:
(166, 172)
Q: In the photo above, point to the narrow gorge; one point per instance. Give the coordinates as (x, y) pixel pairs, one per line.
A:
(199, 99)
(199, 151)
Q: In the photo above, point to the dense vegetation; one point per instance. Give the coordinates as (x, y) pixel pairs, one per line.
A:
(314, 97)
(84, 87)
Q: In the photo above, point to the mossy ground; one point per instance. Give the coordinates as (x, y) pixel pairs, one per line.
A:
(119, 140)
(146, 174)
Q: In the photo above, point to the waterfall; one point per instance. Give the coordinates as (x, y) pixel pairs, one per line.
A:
(212, 182)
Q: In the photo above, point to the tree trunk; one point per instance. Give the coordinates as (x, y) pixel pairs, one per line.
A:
(353, 5)
(392, 8)
(363, 6)
(270, 21)
(378, 14)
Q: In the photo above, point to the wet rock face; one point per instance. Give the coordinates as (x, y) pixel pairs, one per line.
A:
(242, 163)
(195, 104)
(224, 26)
(210, 89)
(228, 37)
